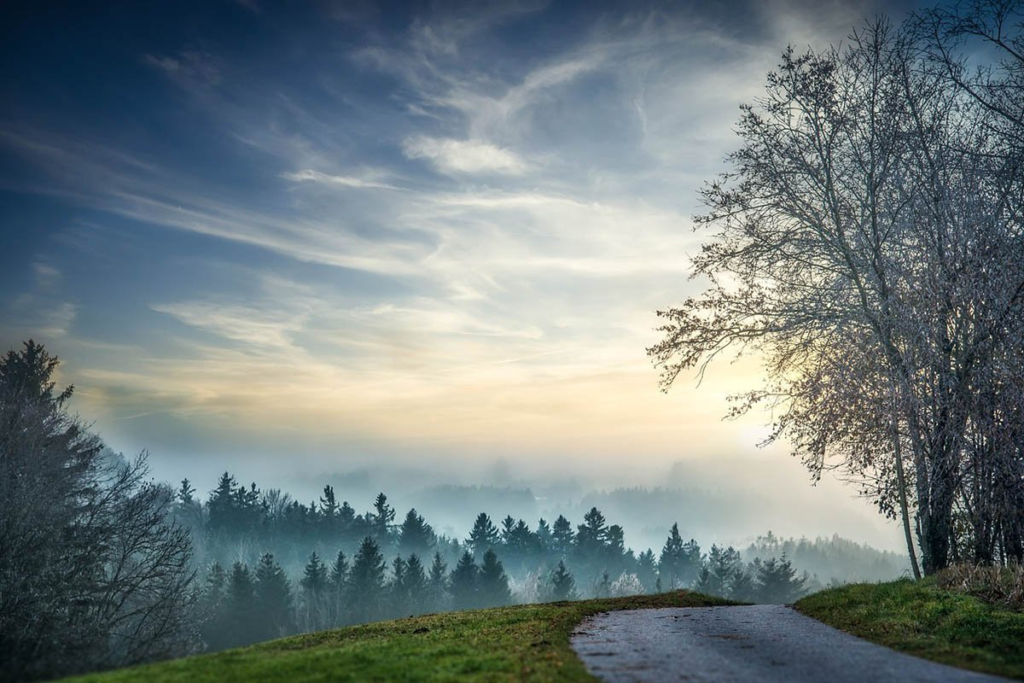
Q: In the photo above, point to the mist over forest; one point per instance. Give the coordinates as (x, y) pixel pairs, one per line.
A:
(713, 498)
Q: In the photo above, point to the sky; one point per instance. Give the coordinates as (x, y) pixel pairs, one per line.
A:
(292, 238)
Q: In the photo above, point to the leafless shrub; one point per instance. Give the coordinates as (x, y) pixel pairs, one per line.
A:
(1002, 585)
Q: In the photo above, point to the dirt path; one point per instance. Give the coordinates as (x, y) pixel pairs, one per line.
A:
(738, 644)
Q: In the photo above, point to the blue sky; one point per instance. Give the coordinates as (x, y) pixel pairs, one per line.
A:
(376, 229)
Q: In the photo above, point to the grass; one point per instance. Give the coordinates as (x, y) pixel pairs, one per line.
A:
(921, 619)
(525, 642)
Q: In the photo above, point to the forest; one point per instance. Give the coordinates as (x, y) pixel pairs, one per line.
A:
(271, 565)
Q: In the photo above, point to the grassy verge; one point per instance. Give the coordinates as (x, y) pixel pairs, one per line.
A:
(525, 642)
(921, 619)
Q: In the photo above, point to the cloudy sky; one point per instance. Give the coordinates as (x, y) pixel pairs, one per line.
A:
(322, 232)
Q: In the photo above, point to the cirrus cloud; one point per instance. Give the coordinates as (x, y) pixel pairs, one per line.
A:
(464, 156)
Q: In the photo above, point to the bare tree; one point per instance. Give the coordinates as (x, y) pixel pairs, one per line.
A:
(868, 246)
(92, 573)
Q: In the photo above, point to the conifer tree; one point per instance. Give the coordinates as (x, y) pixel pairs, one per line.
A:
(563, 586)
(705, 582)
(273, 596)
(543, 534)
(415, 535)
(398, 597)
(591, 536)
(615, 550)
(329, 512)
(186, 493)
(438, 582)
(382, 521)
(337, 585)
(777, 582)
(314, 575)
(347, 523)
(339, 572)
(562, 537)
(670, 564)
(366, 582)
(691, 562)
(507, 526)
(647, 570)
(603, 587)
(315, 611)
(221, 506)
(239, 607)
(463, 583)
(416, 586)
(483, 536)
(212, 608)
(742, 587)
(492, 583)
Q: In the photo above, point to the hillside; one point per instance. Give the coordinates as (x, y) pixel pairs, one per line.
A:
(524, 642)
(921, 619)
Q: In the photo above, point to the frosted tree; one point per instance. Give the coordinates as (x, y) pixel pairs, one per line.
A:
(626, 585)
(867, 246)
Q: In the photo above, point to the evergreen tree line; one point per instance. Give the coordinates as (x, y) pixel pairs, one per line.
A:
(402, 569)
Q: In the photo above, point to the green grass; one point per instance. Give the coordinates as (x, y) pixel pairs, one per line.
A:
(526, 642)
(923, 620)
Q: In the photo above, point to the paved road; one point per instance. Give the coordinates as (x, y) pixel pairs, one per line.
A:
(737, 644)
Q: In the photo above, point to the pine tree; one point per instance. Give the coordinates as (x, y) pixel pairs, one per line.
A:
(214, 588)
(382, 520)
(416, 587)
(316, 611)
(329, 512)
(544, 537)
(398, 599)
(777, 582)
(314, 575)
(483, 536)
(463, 583)
(507, 526)
(671, 561)
(273, 599)
(239, 607)
(347, 521)
(492, 583)
(221, 506)
(339, 572)
(691, 563)
(705, 582)
(186, 493)
(438, 580)
(591, 536)
(562, 538)
(647, 570)
(563, 586)
(366, 582)
(615, 552)
(603, 587)
(212, 610)
(521, 542)
(742, 587)
(719, 571)
(415, 535)
(338, 583)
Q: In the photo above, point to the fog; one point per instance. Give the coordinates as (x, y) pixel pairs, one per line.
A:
(728, 500)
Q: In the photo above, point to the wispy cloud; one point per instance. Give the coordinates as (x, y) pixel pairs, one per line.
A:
(356, 182)
(464, 156)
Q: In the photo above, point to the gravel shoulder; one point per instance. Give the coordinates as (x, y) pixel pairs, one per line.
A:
(743, 643)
